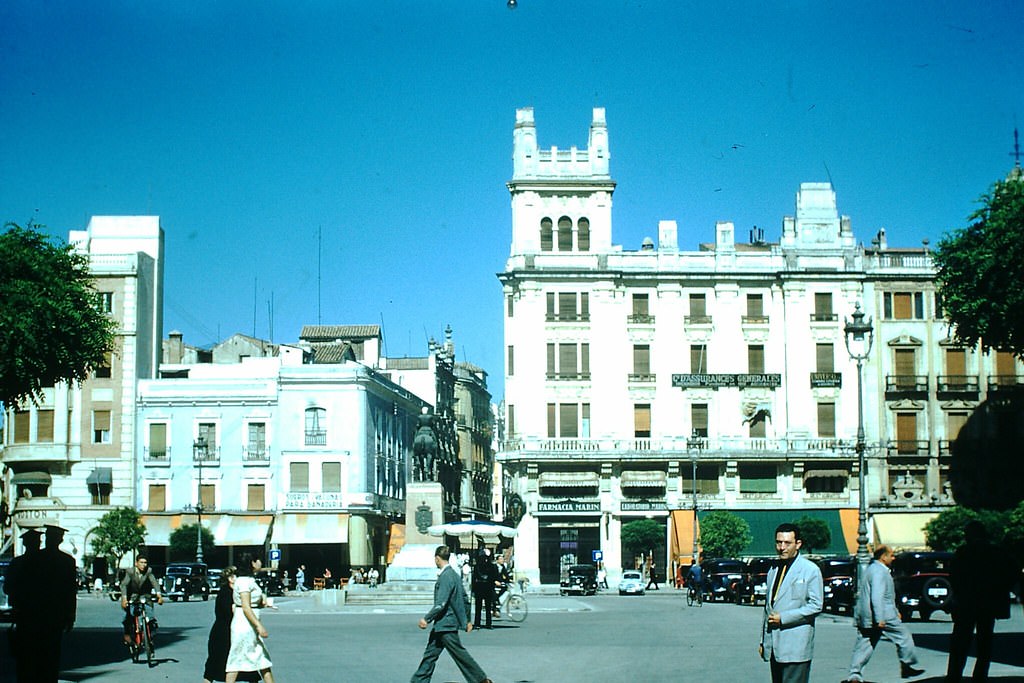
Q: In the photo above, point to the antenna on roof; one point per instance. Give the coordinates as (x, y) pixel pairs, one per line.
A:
(1016, 147)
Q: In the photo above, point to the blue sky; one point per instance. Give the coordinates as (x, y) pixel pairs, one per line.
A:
(387, 127)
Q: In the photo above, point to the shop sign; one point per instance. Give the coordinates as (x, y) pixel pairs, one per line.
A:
(826, 380)
(569, 506)
(313, 501)
(643, 506)
(718, 381)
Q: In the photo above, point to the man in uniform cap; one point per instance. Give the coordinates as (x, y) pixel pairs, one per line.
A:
(23, 584)
(57, 598)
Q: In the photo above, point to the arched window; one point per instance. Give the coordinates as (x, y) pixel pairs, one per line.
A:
(316, 427)
(583, 234)
(546, 242)
(564, 234)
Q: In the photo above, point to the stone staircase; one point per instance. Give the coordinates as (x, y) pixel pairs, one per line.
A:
(391, 593)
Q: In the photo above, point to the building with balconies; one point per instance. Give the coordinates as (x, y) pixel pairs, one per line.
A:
(661, 383)
(70, 458)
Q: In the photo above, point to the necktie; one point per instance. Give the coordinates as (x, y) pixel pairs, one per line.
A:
(778, 580)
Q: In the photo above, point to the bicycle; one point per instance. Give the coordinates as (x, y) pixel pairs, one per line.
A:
(142, 630)
(693, 595)
(512, 603)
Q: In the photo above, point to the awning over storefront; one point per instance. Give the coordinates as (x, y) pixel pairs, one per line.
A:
(29, 478)
(763, 522)
(159, 528)
(636, 479)
(902, 530)
(682, 533)
(292, 528)
(825, 474)
(569, 479)
(396, 539)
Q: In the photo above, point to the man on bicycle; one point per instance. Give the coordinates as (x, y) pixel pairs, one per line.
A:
(138, 580)
(695, 578)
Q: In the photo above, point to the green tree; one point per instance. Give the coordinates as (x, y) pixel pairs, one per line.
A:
(118, 532)
(980, 268)
(815, 533)
(51, 329)
(723, 534)
(641, 536)
(183, 543)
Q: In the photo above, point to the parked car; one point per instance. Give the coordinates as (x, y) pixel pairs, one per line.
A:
(922, 583)
(582, 578)
(269, 583)
(213, 580)
(632, 583)
(184, 580)
(723, 579)
(754, 588)
(840, 578)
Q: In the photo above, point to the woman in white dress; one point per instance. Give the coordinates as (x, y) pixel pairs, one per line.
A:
(248, 651)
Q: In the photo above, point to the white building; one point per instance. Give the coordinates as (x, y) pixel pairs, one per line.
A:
(634, 378)
(71, 458)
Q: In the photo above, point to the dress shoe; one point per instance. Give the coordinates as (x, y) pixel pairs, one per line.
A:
(908, 671)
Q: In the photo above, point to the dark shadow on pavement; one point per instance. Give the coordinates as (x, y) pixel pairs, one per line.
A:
(1007, 648)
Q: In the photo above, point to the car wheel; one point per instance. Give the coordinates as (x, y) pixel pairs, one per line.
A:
(174, 598)
(206, 596)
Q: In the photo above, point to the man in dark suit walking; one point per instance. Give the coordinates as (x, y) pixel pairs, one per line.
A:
(449, 615)
(484, 576)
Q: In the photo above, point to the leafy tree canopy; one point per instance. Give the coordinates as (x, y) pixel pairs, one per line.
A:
(183, 543)
(946, 532)
(723, 534)
(980, 269)
(51, 329)
(815, 533)
(119, 532)
(642, 535)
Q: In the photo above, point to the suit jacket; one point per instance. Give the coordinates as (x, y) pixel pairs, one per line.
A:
(798, 601)
(877, 600)
(451, 606)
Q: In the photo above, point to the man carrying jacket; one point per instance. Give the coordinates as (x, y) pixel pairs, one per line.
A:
(876, 617)
(449, 615)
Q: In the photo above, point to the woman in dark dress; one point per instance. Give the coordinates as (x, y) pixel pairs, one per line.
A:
(220, 633)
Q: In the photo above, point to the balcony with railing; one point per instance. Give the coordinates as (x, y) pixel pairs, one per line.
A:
(640, 319)
(824, 317)
(256, 455)
(1004, 382)
(754, 320)
(567, 317)
(897, 386)
(957, 384)
(945, 449)
(907, 452)
(316, 437)
(570, 448)
(208, 455)
(568, 376)
(697, 319)
(642, 377)
(41, 453)
(156, 456)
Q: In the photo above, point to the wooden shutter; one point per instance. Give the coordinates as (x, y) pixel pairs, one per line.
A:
(823, 304)
(22, 422)
(567, 305)
(954, 423)
(827, 420)
(44, 426)
(906, 432)
(641, 359)
(755, 359)
(299, 477)
(330, 473)
(567, 363)
(698, 358)
(157, 439)
(1006, 364)
(825, 357)
(257, 498)
(755, 305)
(906, 364)
(552, 420)
(208, 496)
(551, 361)
(902, 305)
(641, 304)
(698, 306)
(642, 420)
(568, 416)
(956, 362)
(157, 497)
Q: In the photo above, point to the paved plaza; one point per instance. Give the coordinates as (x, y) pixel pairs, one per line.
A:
(605, 638)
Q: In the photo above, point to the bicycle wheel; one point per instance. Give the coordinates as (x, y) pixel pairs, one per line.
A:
(147, 643)
(517, 608)
(134, 647)
(689, 598)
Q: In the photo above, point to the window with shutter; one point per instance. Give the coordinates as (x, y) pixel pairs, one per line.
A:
(757, 478)
(101, 426)
(157, 498)
(44, 426)
(698, 358)
(641, 360)
(257, 499)
(827, 420)
(158, 440)
(698, 306)
(642, 420)
(755, 305)
(511, 361)
(584, 306)
(552, 420)
(564, 234)
(902, 305)
(549, 300)
(22, 425)
(956, 362)
(755, 359)
(585, 361)
(825, 357)
(208, 496)
(552, 371)
(699, 419)
(567, 305)
(906, 432)
(823, 305)
(567, 362)
(905, 366)
(546, 235)
(330, 477)
(954, 423)
(585, 420)
(298, 474)
(641, 305)
(568, 416)
(583, 234)
(511, 426)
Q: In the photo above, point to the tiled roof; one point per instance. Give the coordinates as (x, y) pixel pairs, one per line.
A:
(408, 363)
(332, 352)
(321, 333)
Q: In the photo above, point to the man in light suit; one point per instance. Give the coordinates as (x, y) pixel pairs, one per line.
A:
(449, 615)
(876, 617)
(795, 598)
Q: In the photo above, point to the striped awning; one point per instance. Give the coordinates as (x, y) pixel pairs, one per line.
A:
(227, 530)
(569, 479)
(292, 528)
(31, 478)
(823, 474)
(639, 479)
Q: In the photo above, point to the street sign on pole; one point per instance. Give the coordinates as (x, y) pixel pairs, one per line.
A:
(275, 554)
(597, 555)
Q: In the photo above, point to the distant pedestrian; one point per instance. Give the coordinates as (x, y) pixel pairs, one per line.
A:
(484, 576)
(652, 578)
(795, 599)
(300, 578)
(372, 577)
(602, 577)
(876, 617)
(449, 615)
(982, 576)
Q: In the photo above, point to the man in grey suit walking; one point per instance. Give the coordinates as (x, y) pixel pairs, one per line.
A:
(449, 616)
(795, 598)
(876, 617)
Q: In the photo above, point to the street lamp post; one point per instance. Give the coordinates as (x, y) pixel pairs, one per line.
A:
(858, 335)
(694, 444)
(200, 449)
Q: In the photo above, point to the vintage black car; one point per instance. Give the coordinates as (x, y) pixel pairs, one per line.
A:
(184, 580)
(269, 583)
(582, 578)
(840, 578)
(723, 579)
(922, 583)
(754, 588)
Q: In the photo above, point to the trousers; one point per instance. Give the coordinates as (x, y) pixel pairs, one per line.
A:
(447, 640)
(867, 638)
(963, 628)
(790, 672)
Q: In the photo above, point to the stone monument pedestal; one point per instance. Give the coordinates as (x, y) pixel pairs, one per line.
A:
(424, 507)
